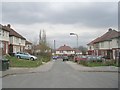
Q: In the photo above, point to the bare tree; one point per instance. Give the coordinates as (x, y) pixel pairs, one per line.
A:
(82, 49)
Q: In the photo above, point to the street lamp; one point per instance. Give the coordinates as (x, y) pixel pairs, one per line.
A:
(76, 36)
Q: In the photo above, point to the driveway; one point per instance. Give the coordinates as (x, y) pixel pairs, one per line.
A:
(59, 74)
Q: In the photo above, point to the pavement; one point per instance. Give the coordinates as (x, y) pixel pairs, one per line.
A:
(48, 66)
(59, 74)
(93, 69)
(12, 71)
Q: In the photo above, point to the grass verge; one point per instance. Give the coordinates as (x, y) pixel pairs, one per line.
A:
(15, 62)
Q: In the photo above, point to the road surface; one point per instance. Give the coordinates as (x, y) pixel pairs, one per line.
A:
(61, 75)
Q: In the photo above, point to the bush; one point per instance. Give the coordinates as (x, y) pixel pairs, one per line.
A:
(109, 62)
(83, 62)
(45, 57)
(93, 63)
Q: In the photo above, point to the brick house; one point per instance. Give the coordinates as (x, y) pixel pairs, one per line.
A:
(65, 50)
(4, 40)
(106, 45)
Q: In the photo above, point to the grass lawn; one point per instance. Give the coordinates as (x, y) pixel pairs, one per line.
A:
(15, 62)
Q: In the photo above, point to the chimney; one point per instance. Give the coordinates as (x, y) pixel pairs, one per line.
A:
(9, 25)
(109, 29)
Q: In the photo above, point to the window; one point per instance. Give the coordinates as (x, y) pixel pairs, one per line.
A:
(90, 47)
(102, 44)
(6, 34)
(3, 33)
(0, 32)
(61, 51)
(17, 40)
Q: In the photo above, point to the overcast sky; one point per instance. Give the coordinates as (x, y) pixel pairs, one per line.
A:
(87, 19)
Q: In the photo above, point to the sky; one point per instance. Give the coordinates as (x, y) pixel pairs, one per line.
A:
(88, 20)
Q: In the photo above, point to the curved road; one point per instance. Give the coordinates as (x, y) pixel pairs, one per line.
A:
(58, 74)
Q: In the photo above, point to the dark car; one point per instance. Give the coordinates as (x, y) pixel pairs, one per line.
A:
(65, 58)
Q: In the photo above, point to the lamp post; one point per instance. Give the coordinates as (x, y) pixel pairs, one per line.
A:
(76, 36)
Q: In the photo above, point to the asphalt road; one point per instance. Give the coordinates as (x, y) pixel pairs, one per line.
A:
(62, 75)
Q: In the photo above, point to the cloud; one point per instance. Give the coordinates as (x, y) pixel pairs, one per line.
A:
(59, 19)
(90, 14)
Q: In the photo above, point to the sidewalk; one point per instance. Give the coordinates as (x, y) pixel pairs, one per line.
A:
(12, 71)
(93, 69)
(45, 67)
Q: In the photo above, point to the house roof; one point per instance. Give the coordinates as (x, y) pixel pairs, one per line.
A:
(13, 32)
(4, 28)
(95, 40)
(105, 37)
(108, 35)
(65, 48)
(27, 42)
(77, 51)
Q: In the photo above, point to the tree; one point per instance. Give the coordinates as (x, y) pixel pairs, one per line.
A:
(43, 42)
(82, 49)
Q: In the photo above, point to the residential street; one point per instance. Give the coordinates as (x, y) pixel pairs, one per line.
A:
(59, 74)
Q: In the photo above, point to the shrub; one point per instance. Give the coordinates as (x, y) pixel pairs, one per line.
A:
(45, 57)
(109, 62)
(83, 62)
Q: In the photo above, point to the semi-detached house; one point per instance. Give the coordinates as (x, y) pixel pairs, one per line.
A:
(106, 45)
(67, 50)
(15, 41)
(4, 40)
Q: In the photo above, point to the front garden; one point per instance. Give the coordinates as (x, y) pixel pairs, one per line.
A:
(98, 63)
(15, 62)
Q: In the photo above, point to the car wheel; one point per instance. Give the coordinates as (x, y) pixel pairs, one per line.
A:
(18, 57)
(32, 58)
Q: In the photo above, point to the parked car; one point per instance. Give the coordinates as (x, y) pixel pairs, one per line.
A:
(65, 58)
(94, 58)
(55, 57)
(22, 55)
(79, 57)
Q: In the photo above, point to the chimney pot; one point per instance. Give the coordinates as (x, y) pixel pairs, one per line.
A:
(9, 25)
(109, 29)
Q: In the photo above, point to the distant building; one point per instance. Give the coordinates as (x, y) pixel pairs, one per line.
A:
(28, 47)
(106, 45)
(78, 52)
(65, 50)
(41, 49)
